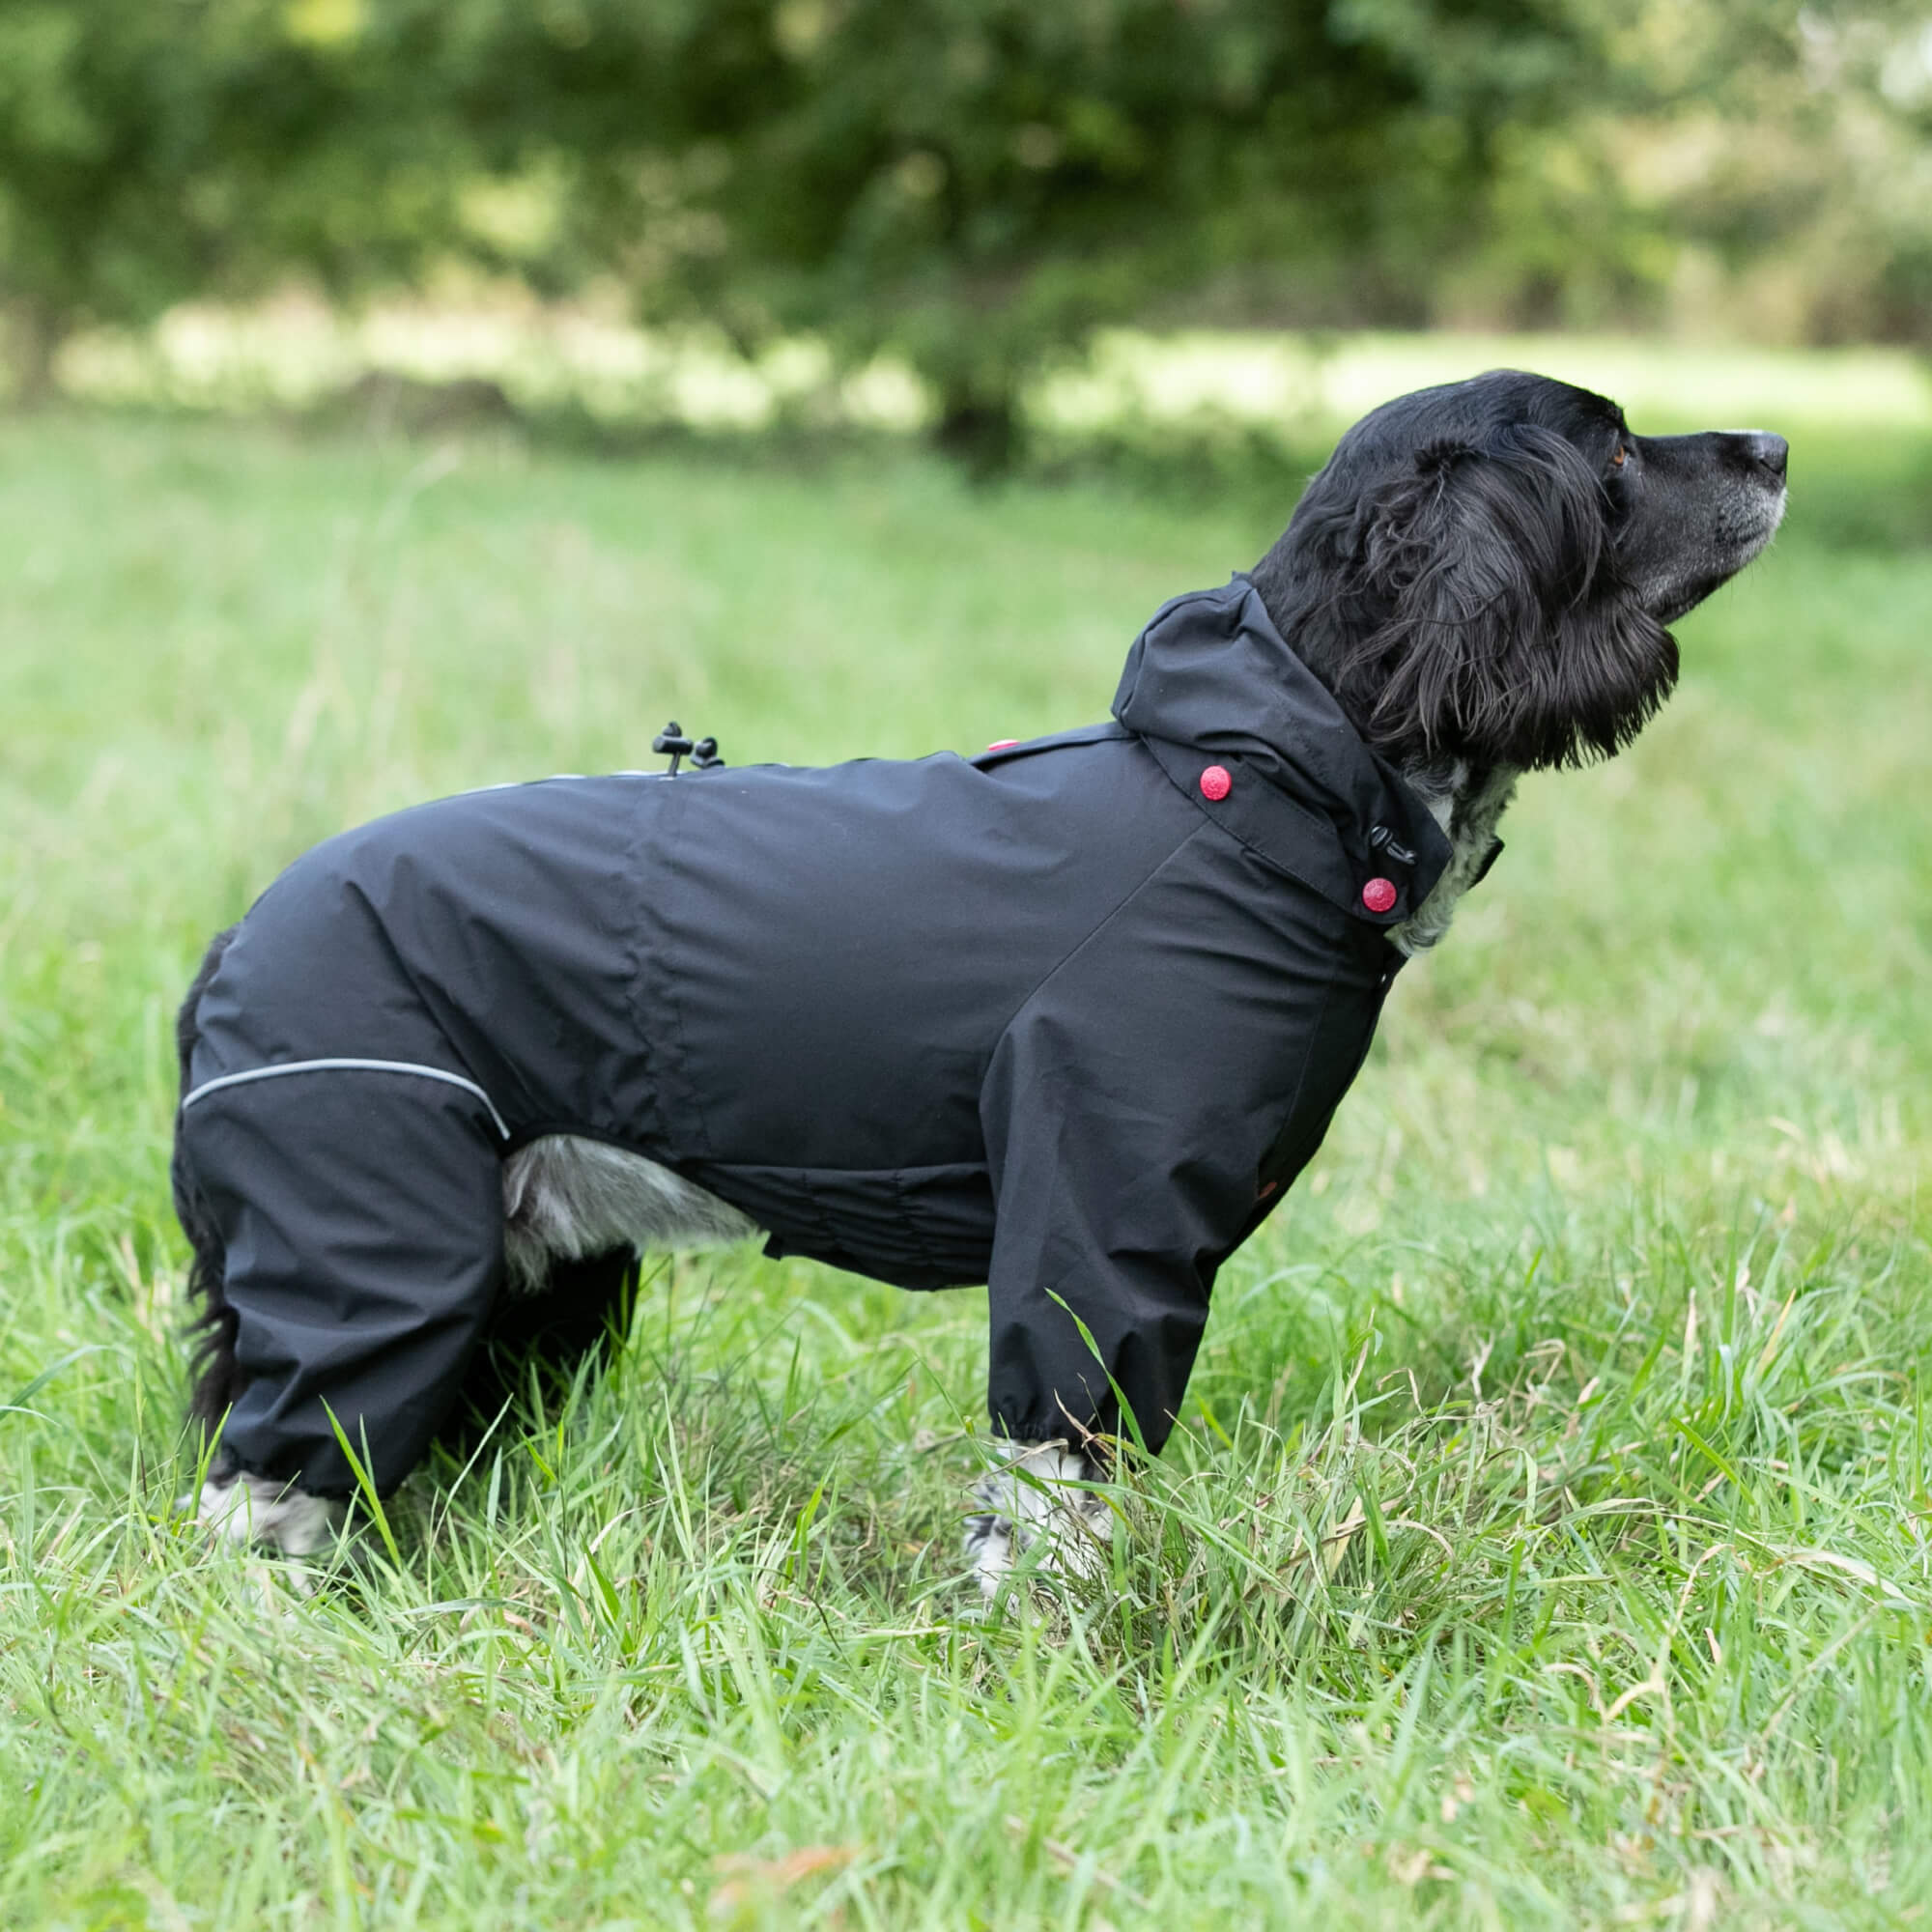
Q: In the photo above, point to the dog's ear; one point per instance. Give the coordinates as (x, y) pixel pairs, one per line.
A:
(1504, 630)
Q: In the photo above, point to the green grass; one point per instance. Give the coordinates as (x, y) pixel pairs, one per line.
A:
(1547, 1541)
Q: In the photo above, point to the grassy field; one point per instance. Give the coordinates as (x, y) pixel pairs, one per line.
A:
(1546, 1542)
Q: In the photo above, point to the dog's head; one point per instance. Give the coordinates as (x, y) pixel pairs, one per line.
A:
(1485, 571)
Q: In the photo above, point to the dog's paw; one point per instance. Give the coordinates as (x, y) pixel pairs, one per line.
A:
(989, 1549)
(1036, 1517)
(248, 1509)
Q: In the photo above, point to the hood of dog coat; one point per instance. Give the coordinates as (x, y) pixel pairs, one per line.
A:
(1212, 683)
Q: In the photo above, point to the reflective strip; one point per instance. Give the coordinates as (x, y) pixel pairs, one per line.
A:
(347, 1066)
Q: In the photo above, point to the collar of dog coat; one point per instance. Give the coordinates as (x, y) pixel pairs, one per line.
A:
(1212, 681)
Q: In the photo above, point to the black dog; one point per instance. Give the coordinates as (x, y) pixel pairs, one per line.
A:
(1068, 1017)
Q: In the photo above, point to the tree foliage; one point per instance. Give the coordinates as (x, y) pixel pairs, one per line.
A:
(976, 183)
(973, 183)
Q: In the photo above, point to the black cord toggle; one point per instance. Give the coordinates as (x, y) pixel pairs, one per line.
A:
(702, 751)
(1383, 840)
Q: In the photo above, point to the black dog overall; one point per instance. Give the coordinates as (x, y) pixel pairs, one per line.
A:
(1066, 1018)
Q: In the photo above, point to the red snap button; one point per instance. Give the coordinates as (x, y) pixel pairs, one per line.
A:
(1003, 743)
(1378, 895)
(1215, 784)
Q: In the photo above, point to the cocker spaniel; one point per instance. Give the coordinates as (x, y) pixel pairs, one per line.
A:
(1066, 1017)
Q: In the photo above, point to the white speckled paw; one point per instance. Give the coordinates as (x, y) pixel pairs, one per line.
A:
(1031, 1502)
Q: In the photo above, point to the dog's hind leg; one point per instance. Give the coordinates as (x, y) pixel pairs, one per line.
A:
(359, 1220)
(242, 1508)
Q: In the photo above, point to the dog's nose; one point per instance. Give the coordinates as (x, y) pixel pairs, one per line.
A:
(1767, 451)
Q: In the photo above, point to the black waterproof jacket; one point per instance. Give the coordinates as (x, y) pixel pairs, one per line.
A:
(1066, 1018)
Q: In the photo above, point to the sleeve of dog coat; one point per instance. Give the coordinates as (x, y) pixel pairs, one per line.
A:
(1122, 1181)
(361, 1214)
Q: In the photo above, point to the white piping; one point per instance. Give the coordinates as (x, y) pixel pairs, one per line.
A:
(345, 1066)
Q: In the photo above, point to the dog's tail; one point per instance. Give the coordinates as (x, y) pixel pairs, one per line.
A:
(217, 1377)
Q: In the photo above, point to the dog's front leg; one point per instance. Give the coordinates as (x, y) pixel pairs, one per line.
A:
(1032, 1500)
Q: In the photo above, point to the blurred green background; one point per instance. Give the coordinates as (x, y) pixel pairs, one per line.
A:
(947, 197)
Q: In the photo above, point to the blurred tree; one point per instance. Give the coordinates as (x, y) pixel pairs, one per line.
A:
(113, 177)
(207, 147)
(74, 214)
(978, 183)
(1749, 167)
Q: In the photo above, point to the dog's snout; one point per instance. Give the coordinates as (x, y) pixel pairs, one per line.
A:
(1769, 452)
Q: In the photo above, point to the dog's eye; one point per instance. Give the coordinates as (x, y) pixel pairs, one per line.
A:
(1617, 457)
